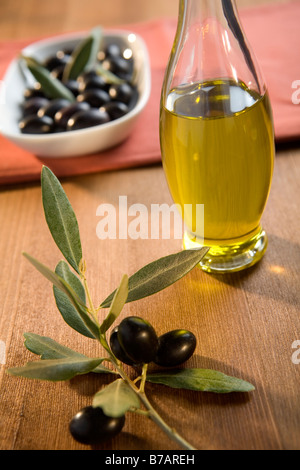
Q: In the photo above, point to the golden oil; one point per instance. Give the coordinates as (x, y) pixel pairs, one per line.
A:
(217, 144)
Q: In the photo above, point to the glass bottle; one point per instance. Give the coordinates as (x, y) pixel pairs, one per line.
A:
(217, 136)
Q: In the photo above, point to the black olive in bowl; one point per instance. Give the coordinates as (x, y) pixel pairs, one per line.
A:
(64, 114)
(36, 125)
(51, 108)
(85, 119)
(95, 97)
(115, 109)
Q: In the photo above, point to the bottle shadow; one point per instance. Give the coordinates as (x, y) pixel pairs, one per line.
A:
(276, 276)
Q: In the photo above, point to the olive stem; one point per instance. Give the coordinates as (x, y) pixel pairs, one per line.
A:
(171, 432)
(144, 376)
(151, 412)
(93, 311)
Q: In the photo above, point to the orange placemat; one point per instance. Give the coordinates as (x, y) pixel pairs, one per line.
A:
(274, 33)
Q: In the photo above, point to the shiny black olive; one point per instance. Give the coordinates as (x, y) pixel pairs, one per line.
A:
(122, 92)
(84, 119)
(64, 114)
(117, 349)
(58, 72)
(138, 339)
(91, 426)
(119, 66)
(86, 76)
(52, 107)
(60, 58)
(95, 98)
(36, 125)
(33, 105)
(175, 348)
(93, 83)
(33, 92)
(115, 109)
(73, 86)
(112, 50)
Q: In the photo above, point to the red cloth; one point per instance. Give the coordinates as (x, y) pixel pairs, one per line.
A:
(272, 30)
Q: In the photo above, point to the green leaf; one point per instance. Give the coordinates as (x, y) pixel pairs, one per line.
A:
(160, 274)
(117, 305)
(97, 36)
(108, 76)
(56, 370)
(116, 399)
(52, 87)
(200, 380)
(62, 285)
(61, 218)
(84, 55)
(69, 313)
(47, 348)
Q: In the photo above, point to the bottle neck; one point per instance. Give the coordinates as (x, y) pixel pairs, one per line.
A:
(213, 30)
(198, 10)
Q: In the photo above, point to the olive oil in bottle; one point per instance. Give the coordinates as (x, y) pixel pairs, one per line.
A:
(217, 148)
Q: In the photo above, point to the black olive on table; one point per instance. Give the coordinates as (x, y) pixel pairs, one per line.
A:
(138, 339)
(117, 349)
(91, 426)
(175, 348)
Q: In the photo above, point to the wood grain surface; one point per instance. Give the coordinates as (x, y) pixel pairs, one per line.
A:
(245, 323)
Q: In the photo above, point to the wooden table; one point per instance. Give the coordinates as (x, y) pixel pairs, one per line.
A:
(245, 323)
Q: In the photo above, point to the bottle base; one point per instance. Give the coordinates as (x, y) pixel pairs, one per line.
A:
(233, 257)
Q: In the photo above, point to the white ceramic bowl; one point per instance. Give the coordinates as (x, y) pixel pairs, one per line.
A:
(79, 142)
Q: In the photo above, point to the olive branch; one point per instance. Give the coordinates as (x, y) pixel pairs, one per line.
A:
(75, 304)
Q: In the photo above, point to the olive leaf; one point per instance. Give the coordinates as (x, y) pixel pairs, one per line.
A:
(117, 305)
(61, 219)
(69, 313)
(109, 76)
(116, 399)
(47, 348)
(84, 55)
(200, 380)
(160, 274)
(64, 287)
(56, 370)
(52, 87)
